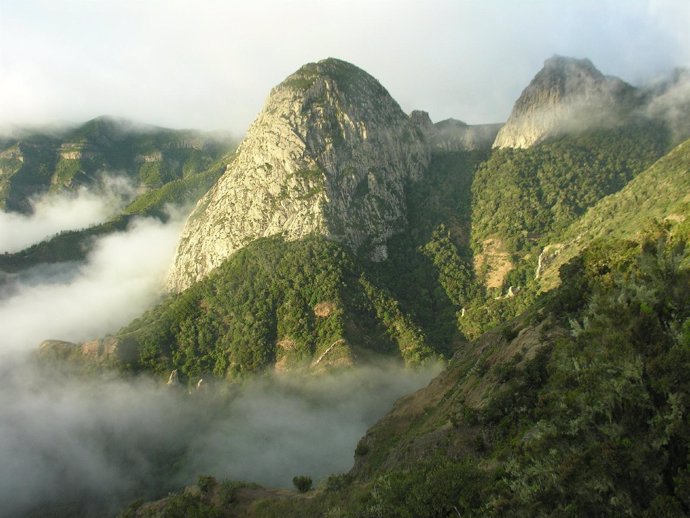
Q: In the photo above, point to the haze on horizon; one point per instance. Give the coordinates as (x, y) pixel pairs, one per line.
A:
(210, 64)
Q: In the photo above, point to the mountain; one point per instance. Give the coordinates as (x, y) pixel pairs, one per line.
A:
(578, 407)
(166, 167)
(567, 95)
(659, 194)
(32, 162)
(330, 153)
(551, 273)
(455, 135)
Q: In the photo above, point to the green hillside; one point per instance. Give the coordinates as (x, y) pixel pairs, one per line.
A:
(661, 193)
(35, 163)
(553, 280)
(74, 245)
(297, 305)
(577, 408)
(522, 195)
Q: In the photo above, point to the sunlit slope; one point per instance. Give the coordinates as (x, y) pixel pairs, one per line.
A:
(305, 304)
(661, 194)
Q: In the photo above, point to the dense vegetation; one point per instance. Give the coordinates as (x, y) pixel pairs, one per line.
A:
(592, 423)
(151, 157)
(298, 304)
(307, 303)
(524, 195)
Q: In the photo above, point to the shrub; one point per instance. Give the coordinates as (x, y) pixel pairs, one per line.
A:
(303, 483)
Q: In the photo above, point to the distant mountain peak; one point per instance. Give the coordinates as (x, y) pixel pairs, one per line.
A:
(566, 95)
(558, 62)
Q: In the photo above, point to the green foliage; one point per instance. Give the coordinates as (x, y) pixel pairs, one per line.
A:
(177, 192)
(596, 423)
(444, 197)
(361, 449)
(657, 194)
(523, 195)
(302, 483)
(408, 337)
(274, 301)
(206, 483)
(211, 500)
(609, 434)
(437, 487)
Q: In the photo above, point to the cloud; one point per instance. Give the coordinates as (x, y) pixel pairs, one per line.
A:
(123, 275)
(95, 444)
(90, 444)
(210, 64)
(283, 426)
(671, 102)
(52, 213)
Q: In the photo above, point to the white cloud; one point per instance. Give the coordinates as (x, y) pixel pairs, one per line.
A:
(122, 276)
(211, 63)
(55, 212)
(100, 443)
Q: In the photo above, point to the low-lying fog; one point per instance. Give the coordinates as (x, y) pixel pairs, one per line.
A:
(105, 442)
(53, 213)
(73, 442)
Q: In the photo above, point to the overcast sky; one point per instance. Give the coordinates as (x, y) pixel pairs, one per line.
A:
(210, 64)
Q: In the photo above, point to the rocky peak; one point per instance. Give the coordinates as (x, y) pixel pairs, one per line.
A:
(566, 95)
(453, 134)
(330, 153)
(421, 120)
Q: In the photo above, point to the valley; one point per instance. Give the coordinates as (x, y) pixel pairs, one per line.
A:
(423, 319)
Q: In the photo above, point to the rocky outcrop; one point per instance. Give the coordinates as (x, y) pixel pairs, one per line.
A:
(568, 95)
(101, 350)
(330, 153)
(454, 135)
(547, 257)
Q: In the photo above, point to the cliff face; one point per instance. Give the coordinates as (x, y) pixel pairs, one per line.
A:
(330, 153)
(567, 95)
(454, 135)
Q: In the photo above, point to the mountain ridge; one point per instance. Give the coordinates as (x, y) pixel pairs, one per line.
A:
(560, 397)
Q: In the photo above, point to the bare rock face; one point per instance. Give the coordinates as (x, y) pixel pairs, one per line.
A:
(454, 135)
(100, 350)
(330, 153)
(567, 95)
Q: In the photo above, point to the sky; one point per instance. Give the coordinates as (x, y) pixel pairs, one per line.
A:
(210, 64)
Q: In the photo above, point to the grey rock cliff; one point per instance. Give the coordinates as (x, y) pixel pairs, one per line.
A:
(567, 95)
(330, 153)
(454, 135)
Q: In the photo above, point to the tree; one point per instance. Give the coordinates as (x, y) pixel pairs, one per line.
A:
(302, 483)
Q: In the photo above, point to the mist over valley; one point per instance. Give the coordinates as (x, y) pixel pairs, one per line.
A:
(433, 277)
